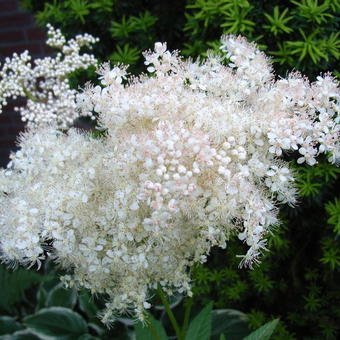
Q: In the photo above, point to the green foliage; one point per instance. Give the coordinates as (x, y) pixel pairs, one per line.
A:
(236, 18)
(333, 210)
(303, 35)
(152, 330)
(125, 55)
(297, 279)
(56, 322)
(8, 325)
(200, 326)
(312, 11)
(59, 296)
(13, 284)
(310, 180)
(308, 30)
(308, 46)
(264, 332)
(79, 8)
(59, 313)
(278, 21)
(230, 323)
(330, 253)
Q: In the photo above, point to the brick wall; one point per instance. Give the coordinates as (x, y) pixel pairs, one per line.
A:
(17, 34)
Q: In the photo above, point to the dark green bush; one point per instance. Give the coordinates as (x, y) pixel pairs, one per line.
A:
(301, 35)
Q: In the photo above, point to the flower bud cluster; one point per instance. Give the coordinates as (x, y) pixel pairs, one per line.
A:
(191, 156)
(45, 82)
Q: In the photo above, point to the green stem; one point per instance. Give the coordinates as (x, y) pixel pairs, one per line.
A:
(187, 311)
(170, 313)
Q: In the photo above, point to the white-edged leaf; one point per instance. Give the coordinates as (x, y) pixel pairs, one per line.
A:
(20, 335)
(61, 296)
(230, 322)
(56, 323)
(8, 325)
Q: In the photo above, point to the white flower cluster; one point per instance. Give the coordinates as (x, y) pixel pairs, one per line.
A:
(191, 155)
(45, 83)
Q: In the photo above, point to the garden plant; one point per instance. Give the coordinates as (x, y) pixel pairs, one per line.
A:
(201, 204)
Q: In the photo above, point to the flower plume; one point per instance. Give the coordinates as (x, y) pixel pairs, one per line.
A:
(192, 154)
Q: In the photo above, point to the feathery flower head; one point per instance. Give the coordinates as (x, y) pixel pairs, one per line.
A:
(191, 155)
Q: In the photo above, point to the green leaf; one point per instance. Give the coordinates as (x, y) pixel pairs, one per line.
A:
(312, 11)
(333, 211)
(330, 253)
(20, 335)
(79, 9)
(125, 55)
(278, 21)
(144, 332)
(122, 30)
(14, 283)
(56, 323)
(264, 332)
(145, 21)
(43, 291)
(222, 337)
(8, 325)
(87, 337)
(200, 326)
(87, 304)
(103, 6)
(60, 296)
(99, 330)
(229, 322)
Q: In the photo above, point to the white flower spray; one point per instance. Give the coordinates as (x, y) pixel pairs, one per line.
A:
(45, 82)
(192, 154)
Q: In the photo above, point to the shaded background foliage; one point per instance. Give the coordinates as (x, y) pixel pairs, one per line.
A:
(298, 280)
(301, 35)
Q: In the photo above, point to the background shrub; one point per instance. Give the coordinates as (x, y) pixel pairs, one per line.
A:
(301, 35)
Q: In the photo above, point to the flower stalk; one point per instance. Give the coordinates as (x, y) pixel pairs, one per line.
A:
(174, 323)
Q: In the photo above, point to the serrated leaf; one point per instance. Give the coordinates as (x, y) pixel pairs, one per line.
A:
(144, 332)
(200, 326)
(264, 332)
(8, 325)
(229, 322)
(56, 323)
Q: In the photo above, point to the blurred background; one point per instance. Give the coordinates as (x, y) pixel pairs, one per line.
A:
(299, 278)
